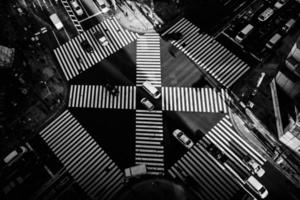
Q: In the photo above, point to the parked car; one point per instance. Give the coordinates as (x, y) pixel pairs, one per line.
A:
(101, 38)
(266, 14)
(151, 89)
(288, 25)
(280, 3)
(147, 104)
(273, 41)
(86, 46)
(181, 137)
(112, 89)
(254, 166)
(244, 33)
(76, 7)
(257, 187)
(15, 155)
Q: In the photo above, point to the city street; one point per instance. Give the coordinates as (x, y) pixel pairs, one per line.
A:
(110, 120)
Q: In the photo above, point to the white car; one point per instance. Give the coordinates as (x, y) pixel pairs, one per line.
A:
(146, 103)
(101, 5)
(15, 154)
(280, 3)
(255, 168)
(257, 187)
(266, 14)
(151, 89)
(181, 137)
(76, 7)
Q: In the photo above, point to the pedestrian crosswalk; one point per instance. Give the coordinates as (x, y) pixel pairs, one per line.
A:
(72, 15)
(207, 53)
(73, 59)
(97, 96)
(187, 99)
(83, 158)
(204, 175)
(148, 59)
(235, 147)
(149, 147)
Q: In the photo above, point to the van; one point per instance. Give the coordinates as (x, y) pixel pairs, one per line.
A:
(244, 33)
(56, 21)
(135, 171)
(273, 41)
(257, 187)
(288, 25)
(151, 90)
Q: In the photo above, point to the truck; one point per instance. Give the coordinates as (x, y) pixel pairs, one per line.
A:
(56, 21)
(135, 171)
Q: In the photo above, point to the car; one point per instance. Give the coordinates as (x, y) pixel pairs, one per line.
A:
(280, 3)
(273, 41)
(86, 46)
(151, 89)
(101, 38)
(288, 25)
(181, 137)
(147, 104)
(56, 21)
(257, 187)
(76, 7)
(112, 89)
(254, 167)
(217, 153)
(244, 33)
(15, 155)
(101, 5)
(266, 14)
(173, 36)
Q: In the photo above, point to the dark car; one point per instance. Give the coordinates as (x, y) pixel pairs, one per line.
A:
(217, 153)
(112, 89)
(86, 46)
(173, 36)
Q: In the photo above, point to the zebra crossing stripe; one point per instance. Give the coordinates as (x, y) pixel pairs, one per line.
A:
(149, 149)
(232, 141)
(148, 59)
(68, 54)
(193, 99)
(83, 158)
(73, 17)
(97, 96)
(208, 54)
(212, 181)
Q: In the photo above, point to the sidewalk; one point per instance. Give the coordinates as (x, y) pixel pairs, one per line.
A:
(130, 17)
(248, 135)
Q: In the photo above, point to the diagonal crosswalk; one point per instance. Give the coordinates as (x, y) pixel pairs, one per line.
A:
(72, 16)
(148, 59)
(187, 99)
(97, 96)
(207, 53)
(235, 147)
(205, 176)
(68, 54)
(83, 158)
(149, 148)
